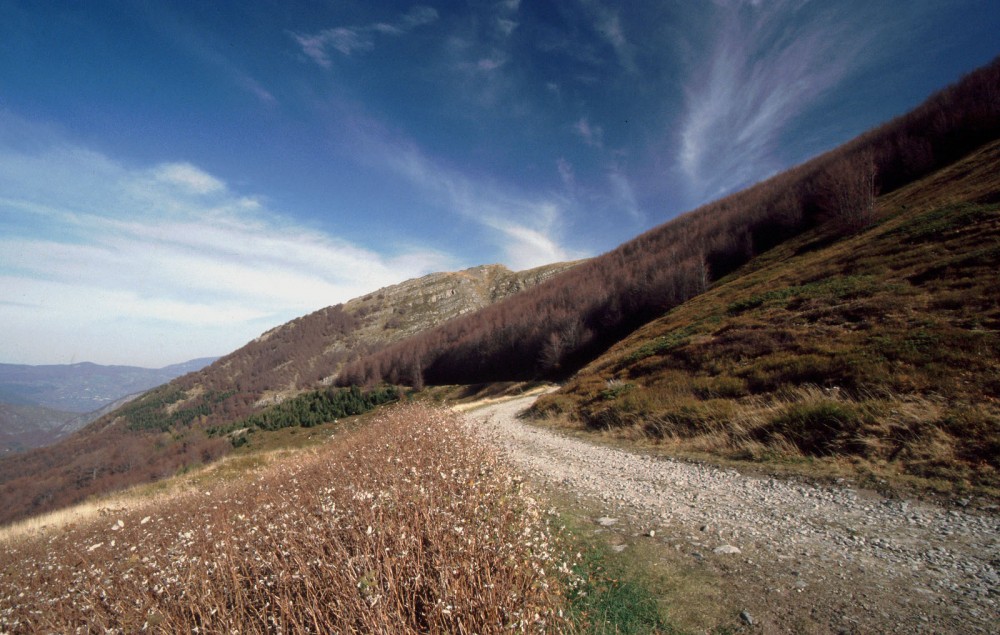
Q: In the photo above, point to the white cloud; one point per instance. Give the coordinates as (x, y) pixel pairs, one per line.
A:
(176, 262)
(488, 64)
(526, 227)
(591, 135)
(349, 39)
(566, 174)
(623, 195)
(767, 63)
(608, 25)
(506, 26)
(188, 177)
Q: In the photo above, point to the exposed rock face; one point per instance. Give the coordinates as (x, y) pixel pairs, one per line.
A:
(407, 308)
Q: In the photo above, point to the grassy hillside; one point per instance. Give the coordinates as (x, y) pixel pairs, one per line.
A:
(400, 526)
(880, 352)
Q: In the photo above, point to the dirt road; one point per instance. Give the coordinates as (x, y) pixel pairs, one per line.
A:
(788, 556)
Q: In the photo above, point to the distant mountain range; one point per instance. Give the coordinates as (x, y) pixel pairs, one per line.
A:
(41, 404)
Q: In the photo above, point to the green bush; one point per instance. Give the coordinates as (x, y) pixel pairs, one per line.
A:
(312, 409)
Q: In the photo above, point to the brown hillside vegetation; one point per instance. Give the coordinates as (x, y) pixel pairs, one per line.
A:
(303, 353)
(405, 526)
(167, 429)
(880, 352)
(558, 326)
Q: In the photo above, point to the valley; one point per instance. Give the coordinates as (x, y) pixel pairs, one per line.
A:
(40, 405)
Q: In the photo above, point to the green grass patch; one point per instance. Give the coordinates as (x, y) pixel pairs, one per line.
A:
(835, 287)
(662, 344)
(612, 599)
(935, 225)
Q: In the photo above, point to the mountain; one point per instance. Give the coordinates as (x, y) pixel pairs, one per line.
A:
(83, 387)
(554, 322)
(172, 426)
(310, 350)
(24, 426)
(41, 404)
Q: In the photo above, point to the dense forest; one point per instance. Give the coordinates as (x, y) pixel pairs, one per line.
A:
(552, 329)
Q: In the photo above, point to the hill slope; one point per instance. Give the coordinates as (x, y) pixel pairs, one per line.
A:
(23, 427)
(176, 425)
(41, 404)
(307, 351)
(882, 350)
(556, 328)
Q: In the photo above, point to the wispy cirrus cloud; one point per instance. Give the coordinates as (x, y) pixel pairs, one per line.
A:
(107, 262)
(592, 135)
(350, 39)
(766, 64)
(607, 24)
(525, 226)
(201, 45)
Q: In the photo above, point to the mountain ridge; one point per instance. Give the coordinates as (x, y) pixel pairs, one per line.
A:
(84, 387)
(39, 405)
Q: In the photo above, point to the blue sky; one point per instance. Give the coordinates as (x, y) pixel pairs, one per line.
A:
(176, 178)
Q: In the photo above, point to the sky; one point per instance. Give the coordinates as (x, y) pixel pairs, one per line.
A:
(178, 177)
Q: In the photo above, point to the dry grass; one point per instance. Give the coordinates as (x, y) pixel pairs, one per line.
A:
(403, 526)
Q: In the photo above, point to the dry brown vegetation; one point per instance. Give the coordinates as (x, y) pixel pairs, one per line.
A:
(404, 526)
(877, 354)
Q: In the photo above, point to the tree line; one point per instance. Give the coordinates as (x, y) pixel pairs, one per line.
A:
(312, 409)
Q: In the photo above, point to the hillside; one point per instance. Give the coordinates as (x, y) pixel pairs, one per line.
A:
(556, 328)
(880, 351)
(397, 527)
(187, 422)
(308, 351)
(23, 427)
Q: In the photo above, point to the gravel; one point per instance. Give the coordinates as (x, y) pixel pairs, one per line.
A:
(864, 562)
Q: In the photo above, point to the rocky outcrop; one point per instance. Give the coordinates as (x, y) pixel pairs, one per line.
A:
(401, 310)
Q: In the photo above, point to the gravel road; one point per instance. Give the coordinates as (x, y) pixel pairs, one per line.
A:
(797, 557)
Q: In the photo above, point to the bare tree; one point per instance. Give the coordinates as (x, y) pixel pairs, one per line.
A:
(849, 187)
